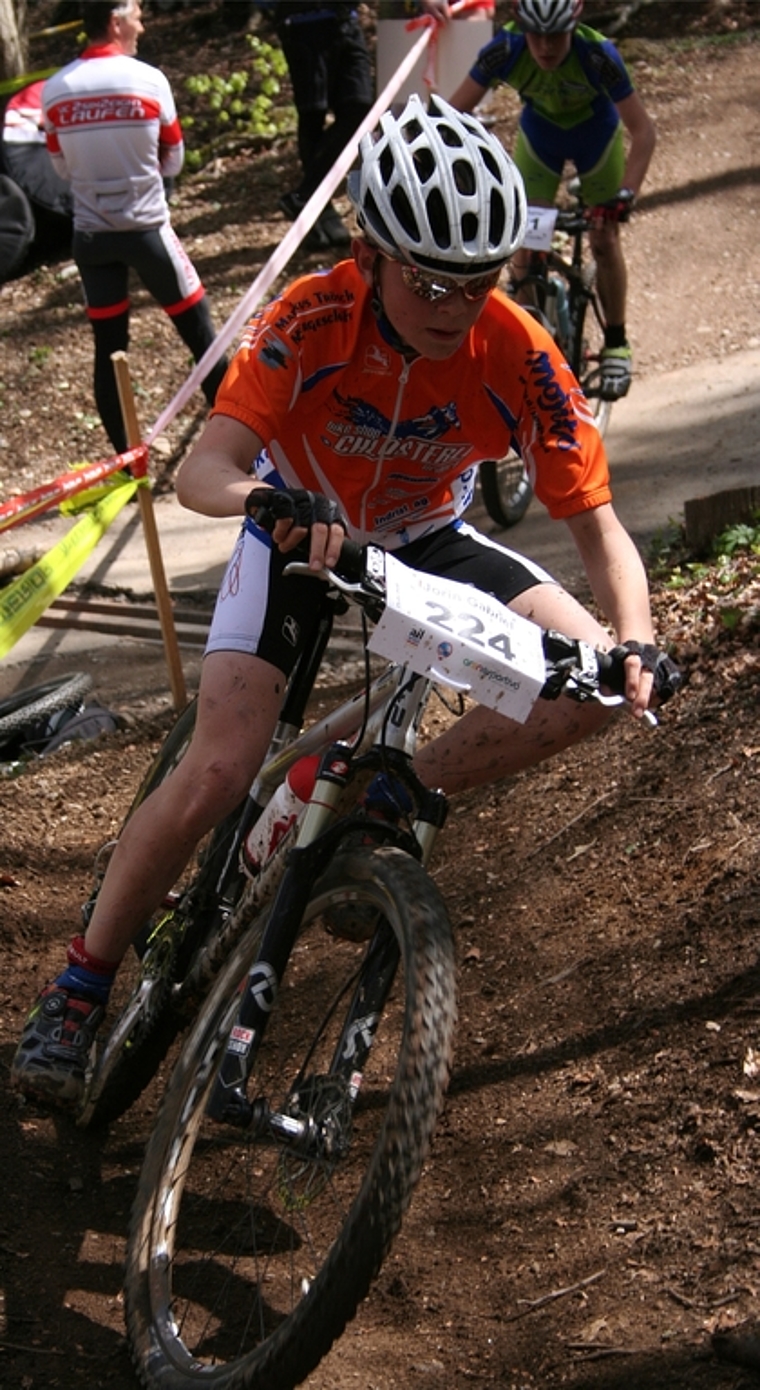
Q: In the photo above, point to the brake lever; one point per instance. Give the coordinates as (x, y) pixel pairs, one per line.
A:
(345, 586)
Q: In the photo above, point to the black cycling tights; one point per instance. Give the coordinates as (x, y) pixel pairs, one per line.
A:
(319, 146)
(195, 328)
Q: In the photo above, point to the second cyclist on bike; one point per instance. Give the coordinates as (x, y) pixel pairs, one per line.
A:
(577, 99)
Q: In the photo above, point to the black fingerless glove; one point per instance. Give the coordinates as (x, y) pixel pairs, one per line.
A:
(267, 505)
(667, 677)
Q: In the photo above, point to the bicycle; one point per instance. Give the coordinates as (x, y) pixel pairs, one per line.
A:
(562, 280)
(260, 1222)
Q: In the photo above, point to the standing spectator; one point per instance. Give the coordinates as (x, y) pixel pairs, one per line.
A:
(577, 97)
(112, 131)
(330, 70)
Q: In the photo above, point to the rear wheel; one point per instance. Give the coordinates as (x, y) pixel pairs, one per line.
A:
(249, 1251)
(506, 490)
(142, 1002)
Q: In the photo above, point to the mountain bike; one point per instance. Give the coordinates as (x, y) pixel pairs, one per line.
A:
(322, 979)
(562, 279)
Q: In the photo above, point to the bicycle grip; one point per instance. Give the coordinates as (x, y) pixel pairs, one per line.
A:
(611, 666)
(265, 506)
(350, 564)
(668, 679)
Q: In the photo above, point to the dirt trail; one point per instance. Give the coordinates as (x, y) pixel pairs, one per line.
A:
(589, 1216)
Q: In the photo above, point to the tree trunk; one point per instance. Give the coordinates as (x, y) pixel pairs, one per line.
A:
(12, 38)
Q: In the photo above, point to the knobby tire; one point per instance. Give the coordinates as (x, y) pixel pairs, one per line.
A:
(246, 1258)
(505, 489)
(27, 708)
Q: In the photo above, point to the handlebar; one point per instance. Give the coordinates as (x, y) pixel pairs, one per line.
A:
(573, 668)
(582, 217)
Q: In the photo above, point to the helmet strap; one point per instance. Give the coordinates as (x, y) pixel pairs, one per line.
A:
(383, 322)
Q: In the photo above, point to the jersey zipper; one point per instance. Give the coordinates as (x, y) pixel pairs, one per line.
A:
(402, 381)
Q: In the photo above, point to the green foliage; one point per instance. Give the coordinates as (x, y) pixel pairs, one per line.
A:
(38, 356)
(670, 562)
(742, 536)
(247, 103)
(725, 585)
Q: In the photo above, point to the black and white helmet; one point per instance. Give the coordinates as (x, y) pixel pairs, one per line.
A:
(438, 190)
(548, 16)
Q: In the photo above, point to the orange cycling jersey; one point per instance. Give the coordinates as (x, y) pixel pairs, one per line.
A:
(396, 442)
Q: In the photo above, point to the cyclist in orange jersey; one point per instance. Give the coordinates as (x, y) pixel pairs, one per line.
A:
(365, 397)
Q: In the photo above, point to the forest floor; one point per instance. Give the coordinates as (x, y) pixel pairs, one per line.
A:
(588, 1217)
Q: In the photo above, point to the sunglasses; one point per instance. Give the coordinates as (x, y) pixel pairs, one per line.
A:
(434, 287)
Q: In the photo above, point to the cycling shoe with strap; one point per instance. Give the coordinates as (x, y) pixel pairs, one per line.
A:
(616, 371)
(56, 1046)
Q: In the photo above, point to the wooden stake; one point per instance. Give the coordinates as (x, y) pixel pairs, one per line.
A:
(145, 500)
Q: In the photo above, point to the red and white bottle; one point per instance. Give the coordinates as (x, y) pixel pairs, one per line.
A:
(278, 820)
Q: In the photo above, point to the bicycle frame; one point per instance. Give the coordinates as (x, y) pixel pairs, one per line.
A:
(373, 730)
(581, 298)
(383, 721)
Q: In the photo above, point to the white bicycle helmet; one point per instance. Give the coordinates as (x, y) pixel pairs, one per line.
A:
(548, 16)
(436, 189)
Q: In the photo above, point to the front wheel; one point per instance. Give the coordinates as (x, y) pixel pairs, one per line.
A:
(248, 1251)
(506, 489)
(585, 356)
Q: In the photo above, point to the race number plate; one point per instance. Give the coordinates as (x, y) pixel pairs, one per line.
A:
(541, 221)
(457, 635)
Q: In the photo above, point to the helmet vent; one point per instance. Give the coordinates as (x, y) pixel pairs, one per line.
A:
(449, 136)
(464, 178)
(424, 164)
(404, 213)
(411, 131)
(375, 221)
(470, 225)
(438, 218)
(496, 221)
(491, 164)
(387, 165)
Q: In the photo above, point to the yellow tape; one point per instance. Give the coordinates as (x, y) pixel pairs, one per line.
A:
(26, 599)
(15, 84)
(89, 496)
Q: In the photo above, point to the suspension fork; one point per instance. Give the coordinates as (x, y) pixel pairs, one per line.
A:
(228, 1102)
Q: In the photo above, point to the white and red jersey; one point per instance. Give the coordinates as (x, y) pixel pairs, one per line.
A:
(112, 131)
(22, 124)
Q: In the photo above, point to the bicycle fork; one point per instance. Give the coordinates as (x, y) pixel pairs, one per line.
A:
(228, 1102)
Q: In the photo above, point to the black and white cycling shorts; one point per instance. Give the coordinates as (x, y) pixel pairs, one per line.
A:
(260, 613)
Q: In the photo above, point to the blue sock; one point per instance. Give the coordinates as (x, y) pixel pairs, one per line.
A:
(86, 982)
